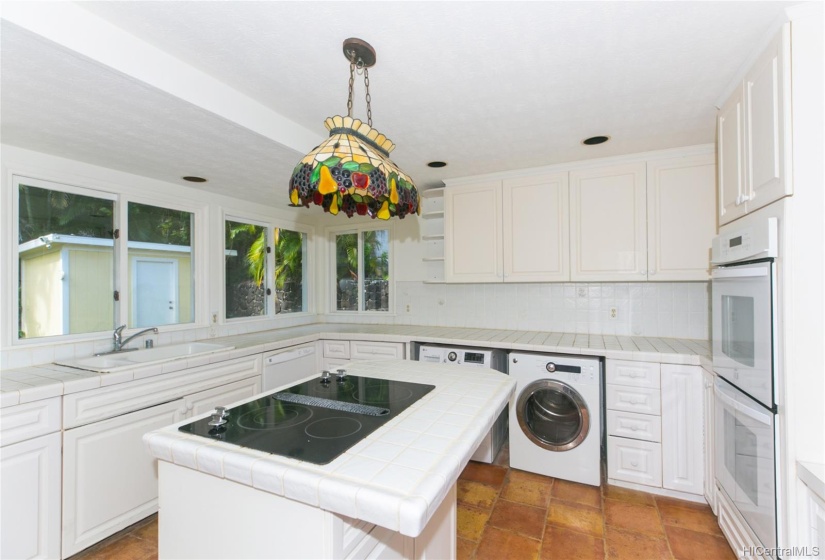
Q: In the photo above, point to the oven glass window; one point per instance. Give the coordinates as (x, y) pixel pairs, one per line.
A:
(738, 329)
(553, 417)
(741, 459)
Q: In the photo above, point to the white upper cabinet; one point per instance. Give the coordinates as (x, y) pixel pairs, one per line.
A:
(730, 124)
(754, 131)
(536, 238)
(681, 222)
(472, 233)
(608, 232)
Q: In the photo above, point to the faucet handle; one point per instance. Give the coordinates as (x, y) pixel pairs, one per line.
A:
(119, 330)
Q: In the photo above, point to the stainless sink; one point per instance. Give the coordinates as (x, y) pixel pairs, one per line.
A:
(125, 360)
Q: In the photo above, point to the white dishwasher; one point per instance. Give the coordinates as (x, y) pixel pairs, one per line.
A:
(287, 366)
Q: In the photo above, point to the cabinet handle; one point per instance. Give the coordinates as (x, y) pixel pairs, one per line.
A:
(643, 273)
(651, 273)
(634, 463)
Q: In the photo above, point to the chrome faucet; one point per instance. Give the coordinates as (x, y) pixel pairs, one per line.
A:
(120, 342)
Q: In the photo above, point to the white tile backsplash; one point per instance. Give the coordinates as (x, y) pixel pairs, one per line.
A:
(661, 309)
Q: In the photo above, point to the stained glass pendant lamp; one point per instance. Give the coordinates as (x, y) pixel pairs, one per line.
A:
(351, 171)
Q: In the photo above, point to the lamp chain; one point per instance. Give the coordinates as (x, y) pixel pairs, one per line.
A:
(351, 80)
(367, 84)
(359, 64)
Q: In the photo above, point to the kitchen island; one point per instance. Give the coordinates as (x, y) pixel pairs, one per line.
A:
(390, 495)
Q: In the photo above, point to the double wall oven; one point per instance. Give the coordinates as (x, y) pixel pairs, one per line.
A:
(743, 310)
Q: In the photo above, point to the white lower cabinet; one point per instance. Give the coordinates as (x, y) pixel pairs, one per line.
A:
(336, 353)
(682, 418)
(655, 427)
(30, 486)
(110, 479)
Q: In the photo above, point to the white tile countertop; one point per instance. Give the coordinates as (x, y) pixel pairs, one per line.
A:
(22, 385)
(396, 477)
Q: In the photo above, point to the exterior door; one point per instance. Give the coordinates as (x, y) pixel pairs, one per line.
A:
(154, 292)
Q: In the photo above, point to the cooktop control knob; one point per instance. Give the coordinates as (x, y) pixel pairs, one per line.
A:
(551, 367)
(325, 376)
(452, 356)
(342, 374)
(219, 416)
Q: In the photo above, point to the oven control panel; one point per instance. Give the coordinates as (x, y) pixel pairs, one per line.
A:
(756, 241)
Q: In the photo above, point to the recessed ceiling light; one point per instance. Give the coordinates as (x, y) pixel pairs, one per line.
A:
(193, 179)
(593, 140)
(437, 164)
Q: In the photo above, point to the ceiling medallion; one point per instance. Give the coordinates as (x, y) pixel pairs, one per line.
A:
(351, 171)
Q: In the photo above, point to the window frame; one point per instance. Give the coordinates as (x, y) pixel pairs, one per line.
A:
(120, 276)
(331, 233)
(271, 224)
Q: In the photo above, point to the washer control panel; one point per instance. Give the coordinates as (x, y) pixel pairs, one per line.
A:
(572, 369)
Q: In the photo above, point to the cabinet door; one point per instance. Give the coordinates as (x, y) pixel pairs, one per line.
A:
(472, 233)
(30, 486)
(366, 350)
(710, 465)
(206, 401)
(730, 135)
(683, 462)
(536, 245)
(110, 480)
(765, 98)
(681, 223)
(608, 224)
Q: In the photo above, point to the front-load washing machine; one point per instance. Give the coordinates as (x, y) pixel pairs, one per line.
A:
(555, 417)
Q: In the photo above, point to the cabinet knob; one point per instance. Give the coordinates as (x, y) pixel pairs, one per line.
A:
(634, 463)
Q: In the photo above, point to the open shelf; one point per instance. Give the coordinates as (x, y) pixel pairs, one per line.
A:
(433, 259)
(433, 214)
(432, 237)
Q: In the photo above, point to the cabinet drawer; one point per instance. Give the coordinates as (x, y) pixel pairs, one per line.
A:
(27, 421)
(635, 426)
(106, 402)
(363, 350)
(632, 460)
(634, 374)
(336, 348)
(633, 399)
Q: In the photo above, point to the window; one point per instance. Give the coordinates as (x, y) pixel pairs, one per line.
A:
(160, 266)
(70, 258)
(65, 261)
(290, 271)
(362, 264)
(246, 288)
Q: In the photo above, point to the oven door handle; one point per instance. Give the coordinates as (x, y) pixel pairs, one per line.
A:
(747, 411)
(739, 272)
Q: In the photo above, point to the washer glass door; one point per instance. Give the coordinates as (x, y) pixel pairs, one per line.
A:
(553, 415)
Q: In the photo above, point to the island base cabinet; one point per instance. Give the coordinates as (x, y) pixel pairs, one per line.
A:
(110, 481)
(30, 485)
(205, 517)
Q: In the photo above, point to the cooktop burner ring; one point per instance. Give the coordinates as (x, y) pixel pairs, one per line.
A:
(333, 428)
(278, 416)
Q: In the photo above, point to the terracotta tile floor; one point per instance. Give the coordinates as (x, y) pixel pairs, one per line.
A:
(508, 513)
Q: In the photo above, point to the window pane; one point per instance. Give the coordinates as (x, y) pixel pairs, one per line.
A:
(346, 275)
(290, 271)
(376, 270)
(160, 266)
(245, 270)
(65, 263)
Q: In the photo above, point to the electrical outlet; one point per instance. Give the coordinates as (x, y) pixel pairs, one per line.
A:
(409, 308)
(614, 313)
(582, 292)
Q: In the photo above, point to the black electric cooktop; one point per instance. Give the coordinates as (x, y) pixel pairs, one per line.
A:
(314, 421)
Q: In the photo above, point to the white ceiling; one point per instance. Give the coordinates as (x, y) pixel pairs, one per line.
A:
(485, 86)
